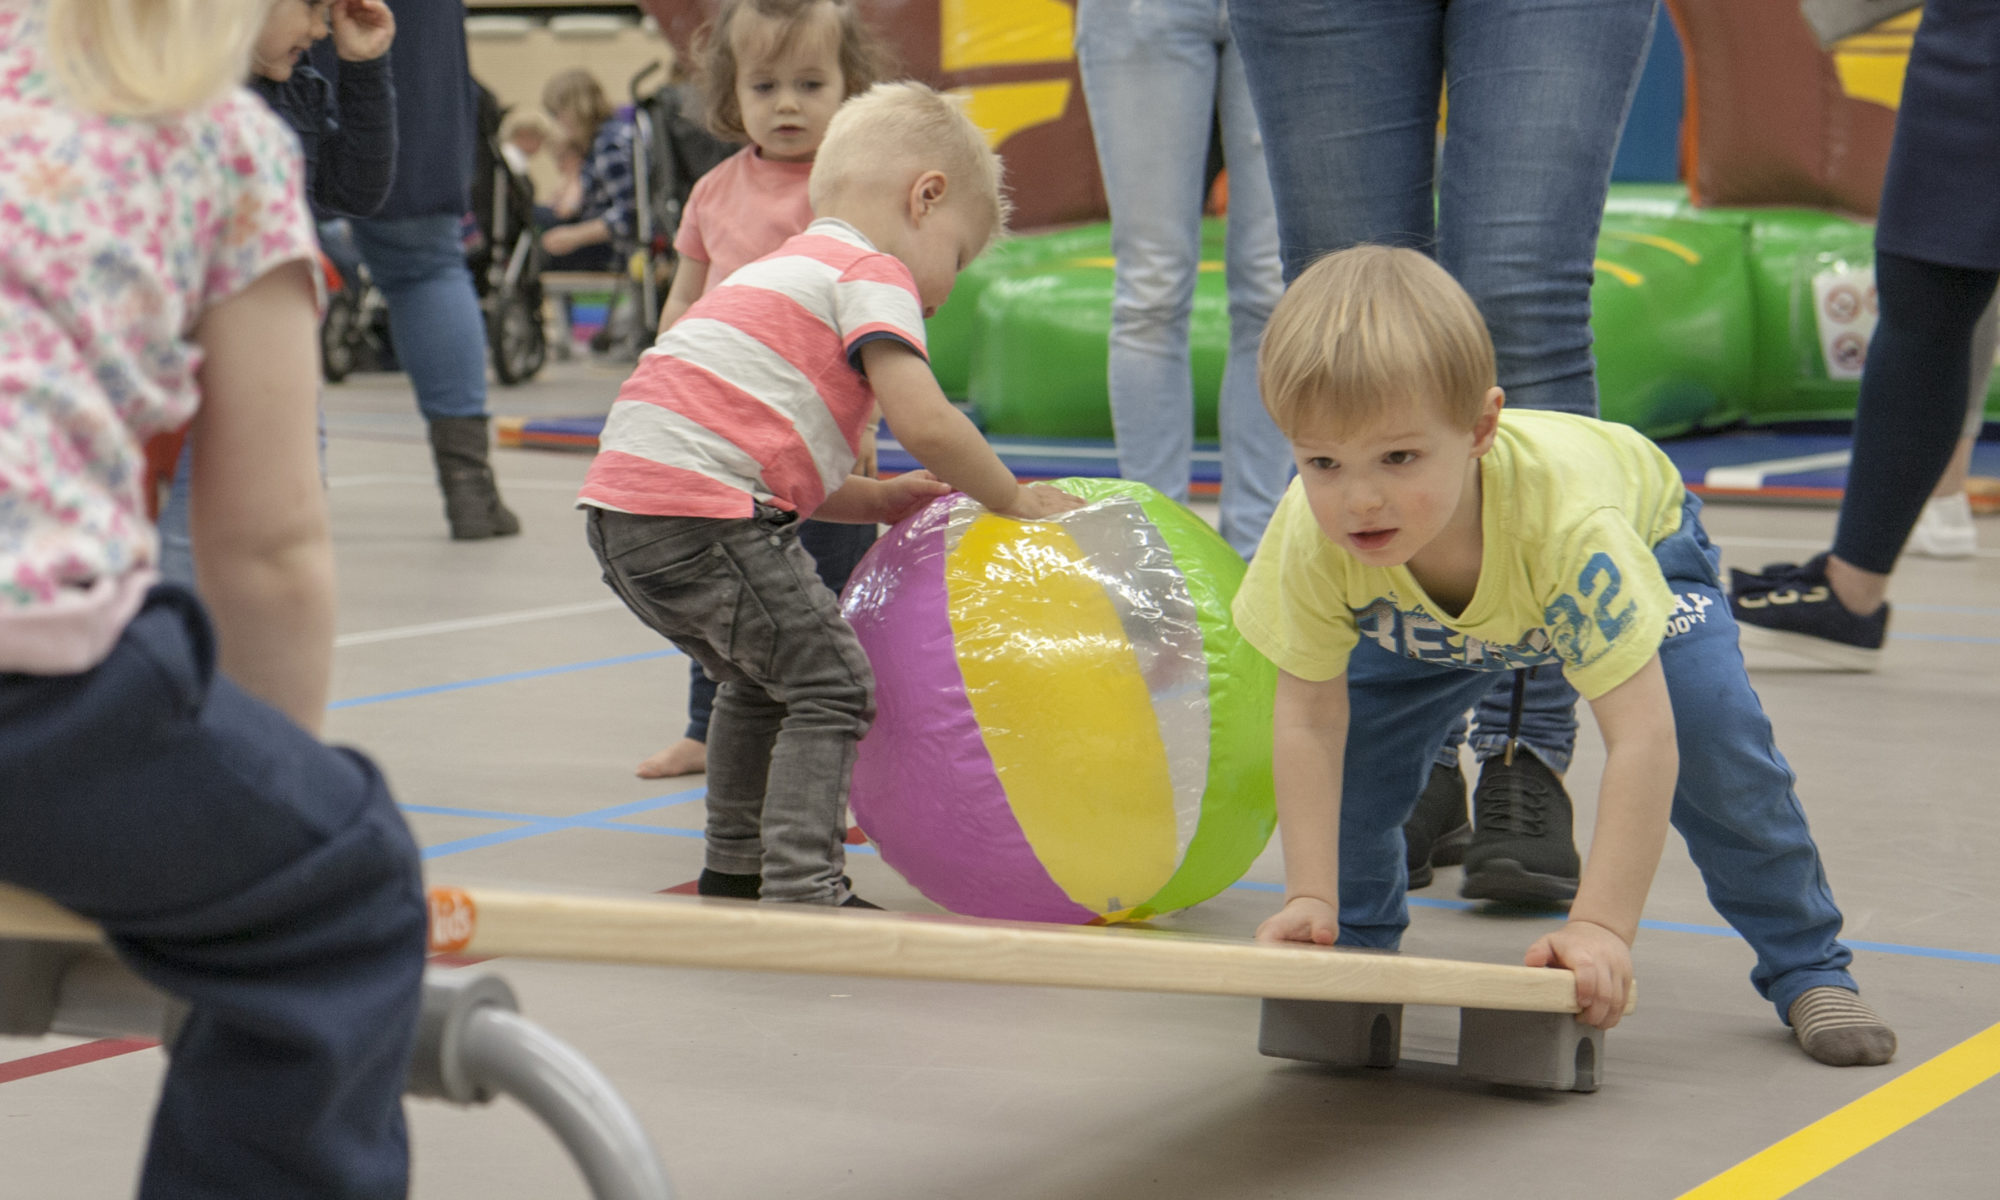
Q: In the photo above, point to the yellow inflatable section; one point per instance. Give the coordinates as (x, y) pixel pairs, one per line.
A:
(1045, 662)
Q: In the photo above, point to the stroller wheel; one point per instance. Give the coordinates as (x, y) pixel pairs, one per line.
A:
(514, 335)
(339, 337)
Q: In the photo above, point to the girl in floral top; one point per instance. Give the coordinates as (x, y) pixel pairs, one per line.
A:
(162, 776)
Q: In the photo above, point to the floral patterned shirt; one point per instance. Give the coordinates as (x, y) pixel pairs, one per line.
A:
(115, 236)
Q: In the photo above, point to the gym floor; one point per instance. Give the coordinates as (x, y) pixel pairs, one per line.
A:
(508, 698)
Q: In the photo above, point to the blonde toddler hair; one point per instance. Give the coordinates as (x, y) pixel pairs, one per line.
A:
(151, 58)
(1366, 332)
(894, 131)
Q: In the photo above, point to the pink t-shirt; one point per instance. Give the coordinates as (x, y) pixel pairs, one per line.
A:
(756, 395)
(742, 210)
(115, 235)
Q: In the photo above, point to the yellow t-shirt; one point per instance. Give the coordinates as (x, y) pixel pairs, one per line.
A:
(1571, 509)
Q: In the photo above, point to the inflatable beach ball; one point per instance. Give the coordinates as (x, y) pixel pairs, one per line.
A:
(1068, 727)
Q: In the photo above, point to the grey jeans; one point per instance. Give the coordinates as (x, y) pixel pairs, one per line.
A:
(740, 597)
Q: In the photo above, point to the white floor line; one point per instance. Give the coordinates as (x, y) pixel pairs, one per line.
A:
(1750, 476)
(464, 623)
(1802, 544)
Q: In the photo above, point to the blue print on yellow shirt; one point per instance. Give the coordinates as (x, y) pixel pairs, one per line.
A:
(1580, 638)
(1414, 633)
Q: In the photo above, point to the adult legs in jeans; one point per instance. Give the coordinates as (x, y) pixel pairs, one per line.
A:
(1173, 67)
(240, 864)
(742, 597)
(836, 549)
(440, 336)
(1347, 96)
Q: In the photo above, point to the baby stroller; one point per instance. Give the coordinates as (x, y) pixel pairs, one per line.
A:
(354, 331)
(675, 149)
(506, 257)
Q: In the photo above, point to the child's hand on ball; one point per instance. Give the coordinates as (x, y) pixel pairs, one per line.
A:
(904, 494)
(1035, 501)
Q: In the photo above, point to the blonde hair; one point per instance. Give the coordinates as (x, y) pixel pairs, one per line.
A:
(862, 58)
(150, 58)
(906, 128)
(576, 96)
(1364, 333)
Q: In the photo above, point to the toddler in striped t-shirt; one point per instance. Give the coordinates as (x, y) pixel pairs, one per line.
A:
(747, 416)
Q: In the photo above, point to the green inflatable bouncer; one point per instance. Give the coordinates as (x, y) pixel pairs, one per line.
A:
(1704, 317)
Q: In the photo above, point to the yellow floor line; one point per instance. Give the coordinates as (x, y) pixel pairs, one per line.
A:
(1840, 1135)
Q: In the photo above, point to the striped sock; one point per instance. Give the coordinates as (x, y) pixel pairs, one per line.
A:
(1836, 1027)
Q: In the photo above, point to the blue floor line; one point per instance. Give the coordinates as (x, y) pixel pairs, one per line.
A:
(536, 826)
(511, 677)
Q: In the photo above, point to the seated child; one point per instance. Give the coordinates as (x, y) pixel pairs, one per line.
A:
(746, 417)
(1431, 544)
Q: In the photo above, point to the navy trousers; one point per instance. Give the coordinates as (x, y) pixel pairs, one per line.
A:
(237, 862)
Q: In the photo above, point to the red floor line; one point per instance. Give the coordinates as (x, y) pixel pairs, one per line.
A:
(71, 1056)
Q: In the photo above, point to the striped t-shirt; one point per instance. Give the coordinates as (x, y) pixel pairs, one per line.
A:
(756, 394)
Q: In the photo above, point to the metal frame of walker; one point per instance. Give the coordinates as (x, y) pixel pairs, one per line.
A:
(472, 1045)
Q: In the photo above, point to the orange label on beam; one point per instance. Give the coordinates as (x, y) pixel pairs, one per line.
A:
(454, 917)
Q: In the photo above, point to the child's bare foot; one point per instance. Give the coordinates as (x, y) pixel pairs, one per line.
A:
(685, 757)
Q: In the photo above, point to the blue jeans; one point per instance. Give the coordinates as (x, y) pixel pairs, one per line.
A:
(1347, 95)
(1157, 76)
(236, 862)
(434, 314)
(743, 599)
(1733, 803)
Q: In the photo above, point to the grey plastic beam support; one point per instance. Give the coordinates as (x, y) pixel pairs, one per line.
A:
(1334, 1032)
(473, 1045)
(1530, 1049)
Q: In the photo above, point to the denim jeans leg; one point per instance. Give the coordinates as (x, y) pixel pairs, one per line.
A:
(1539, 90)
(1735, 803)
(742, 732)
(677, 576)
(176, 543)
(824, 690)
(434, 315)
(1149, 76)
(240, 864)
(1398, 712)
(1256, 458)
(1347, 97)
(701, 702)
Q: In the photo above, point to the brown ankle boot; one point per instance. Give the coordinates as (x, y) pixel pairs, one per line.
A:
(471, 501)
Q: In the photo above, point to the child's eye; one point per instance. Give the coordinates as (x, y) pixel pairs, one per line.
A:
(810, 85)
(762, 86)
(1399, 458)
(1321, 463)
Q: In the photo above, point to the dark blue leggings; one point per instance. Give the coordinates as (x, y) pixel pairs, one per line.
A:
(836, 549)
(1912, 404)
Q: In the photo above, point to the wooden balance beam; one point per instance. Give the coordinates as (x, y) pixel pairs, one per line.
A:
(1342, 1007)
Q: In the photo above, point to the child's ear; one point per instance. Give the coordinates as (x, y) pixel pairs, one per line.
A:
(926, 193)
(1488, 423)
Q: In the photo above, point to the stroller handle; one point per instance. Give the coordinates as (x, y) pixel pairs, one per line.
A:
(645, 73)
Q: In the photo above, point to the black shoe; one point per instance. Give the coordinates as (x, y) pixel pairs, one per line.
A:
(1793, 608)
(1522, 850)
(854, 901)
(726, 886)
(1437, 831)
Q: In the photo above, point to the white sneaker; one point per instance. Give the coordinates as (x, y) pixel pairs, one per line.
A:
(1945, 530)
